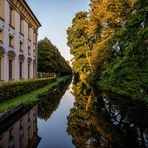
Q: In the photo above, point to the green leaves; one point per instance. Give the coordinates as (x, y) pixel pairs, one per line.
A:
(129, 73)
(17, 88)
(110, 44)
(79, 44)
(50, 59)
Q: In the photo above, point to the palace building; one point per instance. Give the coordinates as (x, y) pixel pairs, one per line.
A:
(18, 41)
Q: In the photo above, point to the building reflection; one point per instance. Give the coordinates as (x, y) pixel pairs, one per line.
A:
(22, 134)
(22, 131)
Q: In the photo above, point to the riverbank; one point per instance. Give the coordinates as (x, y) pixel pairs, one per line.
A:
(49, 114)
(12, 89)
(29, 98)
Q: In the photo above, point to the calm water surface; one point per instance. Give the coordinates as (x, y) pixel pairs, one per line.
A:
(44, 126)
(76, 116)
(53, 130)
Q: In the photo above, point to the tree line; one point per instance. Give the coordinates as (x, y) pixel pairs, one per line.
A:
(110, 46)
(50, 59)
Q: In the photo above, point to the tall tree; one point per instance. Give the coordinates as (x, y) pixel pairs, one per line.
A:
(50, 59)
(79, 44)
(105, 18)
(128, 71)
(109, 43)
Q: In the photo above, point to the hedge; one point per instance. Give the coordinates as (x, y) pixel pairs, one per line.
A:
(9, 90)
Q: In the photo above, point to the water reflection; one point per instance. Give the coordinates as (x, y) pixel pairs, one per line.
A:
(23, 133)
(98, 119)
(50, 101)
(107, 120)
(52, 125)
(21, 130)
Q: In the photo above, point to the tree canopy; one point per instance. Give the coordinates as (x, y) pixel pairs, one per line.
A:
(50, 59)
(109, 45)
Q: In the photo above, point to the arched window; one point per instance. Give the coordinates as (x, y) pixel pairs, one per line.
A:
(2, 52)
(34, 68)
(21, 66)
(21, 26)
(0, 68)
(29, 67)
(1, 36)
(11, 16)
(11, 56)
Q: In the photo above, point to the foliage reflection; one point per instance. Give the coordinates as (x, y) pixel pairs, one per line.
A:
(50, 101)
(107, 120)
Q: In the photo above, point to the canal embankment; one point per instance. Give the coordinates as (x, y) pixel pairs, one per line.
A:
(9, 90)
(30, 98)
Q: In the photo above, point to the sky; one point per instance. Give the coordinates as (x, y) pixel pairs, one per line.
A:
(56, 16)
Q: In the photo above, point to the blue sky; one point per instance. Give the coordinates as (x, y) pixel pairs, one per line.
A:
(56, 16)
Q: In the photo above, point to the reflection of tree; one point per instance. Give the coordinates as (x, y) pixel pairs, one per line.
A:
(51, 100)
(78, 121)
(130, 118)
(102, 119)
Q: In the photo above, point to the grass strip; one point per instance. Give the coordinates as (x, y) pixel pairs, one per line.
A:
(29, 98)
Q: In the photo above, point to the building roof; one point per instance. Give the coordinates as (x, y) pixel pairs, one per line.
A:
(32, 12)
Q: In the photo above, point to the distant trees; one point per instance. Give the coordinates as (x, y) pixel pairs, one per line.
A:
(50, 59)
(109, 44)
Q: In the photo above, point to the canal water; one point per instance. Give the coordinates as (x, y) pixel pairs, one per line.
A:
(53, 130)
(73, 115)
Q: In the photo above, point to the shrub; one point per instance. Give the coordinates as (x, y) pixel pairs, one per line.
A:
(9, 90)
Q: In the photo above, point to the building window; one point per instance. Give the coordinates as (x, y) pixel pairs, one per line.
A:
(29, 33)
(0, 69)
(10, 69)
(34, 70)
(28, 70)
(11, 41)
(1, 142)
(21, 46)
(29, 50)
(21, 68)
(34, 38)
(34, 54)
(1, 36)
(2, 9)
(21, 134)
(21, 26)
(11, 134)
(11, 17)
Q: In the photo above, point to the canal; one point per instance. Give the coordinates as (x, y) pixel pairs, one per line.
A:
(73, 115)
(53, 130)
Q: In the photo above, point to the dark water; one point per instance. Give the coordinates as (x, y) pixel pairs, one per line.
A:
(101, 119)
(77, 116)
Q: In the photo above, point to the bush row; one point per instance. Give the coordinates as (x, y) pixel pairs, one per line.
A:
(9, 90)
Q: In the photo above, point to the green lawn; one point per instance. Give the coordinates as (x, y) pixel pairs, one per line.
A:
(28, 98)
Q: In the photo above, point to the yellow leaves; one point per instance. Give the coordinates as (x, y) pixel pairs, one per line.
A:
(114, 11)
(89, 101)
(84, 78)
(81, 24)
(100, 54)
(100, 11)
(131, 2)
(107, 34)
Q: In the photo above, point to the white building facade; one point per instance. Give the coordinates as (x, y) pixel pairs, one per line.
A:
(18, 41)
